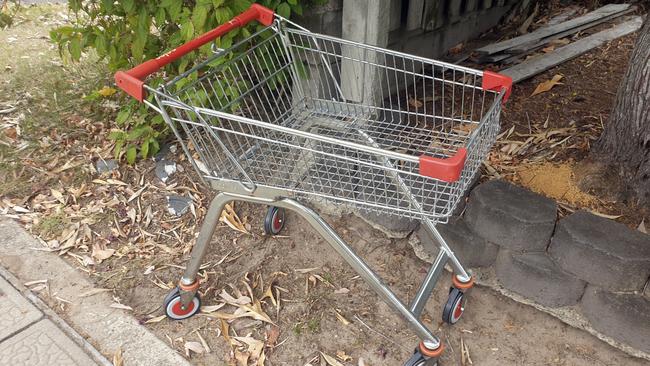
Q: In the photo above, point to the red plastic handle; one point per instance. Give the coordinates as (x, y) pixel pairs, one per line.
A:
(497, 82)
(132, 81)
(447, 170)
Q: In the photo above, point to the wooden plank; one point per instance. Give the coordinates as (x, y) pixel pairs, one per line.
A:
(535, 45)
(562, 17)
(514, 54)
(536, 65)
(509, 57)
(544, 32)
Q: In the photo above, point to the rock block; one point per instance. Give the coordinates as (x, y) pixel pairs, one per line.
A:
(103, 166)
(602, 252)
(471, 249)
(376, 188)
(393, 226)
(537, 277)
(511, 216)
(624, 317)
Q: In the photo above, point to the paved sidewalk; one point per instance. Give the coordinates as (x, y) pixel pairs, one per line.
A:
(107, 328)
(28, 336)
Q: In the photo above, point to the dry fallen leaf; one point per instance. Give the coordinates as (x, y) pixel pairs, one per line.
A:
(242, 300)
(195, 347)
(255, 347)
(465, 128)
(456, 49)
(156, 319)
(106, 91)
(94, 291)
(121, 306)
(203, 342)
(331, 361)
(225, 330)
(561, 41)
(341, 318)
(11, 133)
(212, 308)
(341, 355)
(548, 49)
(305, 270)
(241, 357)
(117, 358)
(100, 254)
(642, 228)
(415, 103)
(272, 335)
(611, 217)
(230, 218)
(58, 195)
(341, 291)
(548, 85)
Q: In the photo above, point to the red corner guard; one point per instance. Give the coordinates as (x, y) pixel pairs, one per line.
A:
(131, 85)
(447, 170)
(495, 81)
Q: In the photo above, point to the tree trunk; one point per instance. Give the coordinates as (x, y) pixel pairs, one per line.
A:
(625, 142)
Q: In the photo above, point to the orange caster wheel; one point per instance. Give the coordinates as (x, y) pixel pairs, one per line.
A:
(274, 220)
(454, 307)
(175, 310)
(423, 356)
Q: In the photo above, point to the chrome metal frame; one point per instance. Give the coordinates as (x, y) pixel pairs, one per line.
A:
(234, 136)
(410, 314)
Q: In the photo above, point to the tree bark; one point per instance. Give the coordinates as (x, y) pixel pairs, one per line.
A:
(625, 142)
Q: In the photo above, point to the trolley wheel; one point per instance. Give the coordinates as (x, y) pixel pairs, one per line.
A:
(419, 360)
(454, 307)
(174, 309)
(274, 220)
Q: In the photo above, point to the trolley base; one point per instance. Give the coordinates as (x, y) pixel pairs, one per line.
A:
(430, 346)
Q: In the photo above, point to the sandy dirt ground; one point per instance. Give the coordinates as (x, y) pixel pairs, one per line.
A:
(496, 330)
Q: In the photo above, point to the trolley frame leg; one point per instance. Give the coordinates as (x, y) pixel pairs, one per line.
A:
(326, 231)
(458, 268)
(444, 255)
(429, 283)
(200, 247)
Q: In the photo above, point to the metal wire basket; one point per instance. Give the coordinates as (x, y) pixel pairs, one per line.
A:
(321, 116)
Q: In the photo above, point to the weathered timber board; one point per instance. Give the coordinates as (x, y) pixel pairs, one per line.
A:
(536, 65)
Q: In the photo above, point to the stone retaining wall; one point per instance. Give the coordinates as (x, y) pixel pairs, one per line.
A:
(585, 269)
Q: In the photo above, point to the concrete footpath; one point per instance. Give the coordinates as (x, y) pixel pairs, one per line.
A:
(32, 334)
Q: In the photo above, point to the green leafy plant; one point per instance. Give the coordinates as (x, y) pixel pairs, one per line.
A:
(128, 32)
(8, 10)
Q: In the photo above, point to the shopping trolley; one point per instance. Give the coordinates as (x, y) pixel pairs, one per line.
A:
(286, 115)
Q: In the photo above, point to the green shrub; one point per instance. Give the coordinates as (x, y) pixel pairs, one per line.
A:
(128, 32)
(8, 10)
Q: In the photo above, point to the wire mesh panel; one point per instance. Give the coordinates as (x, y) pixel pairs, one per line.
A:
(316, 115)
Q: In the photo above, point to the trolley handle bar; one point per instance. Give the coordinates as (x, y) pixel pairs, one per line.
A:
(132, 81)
